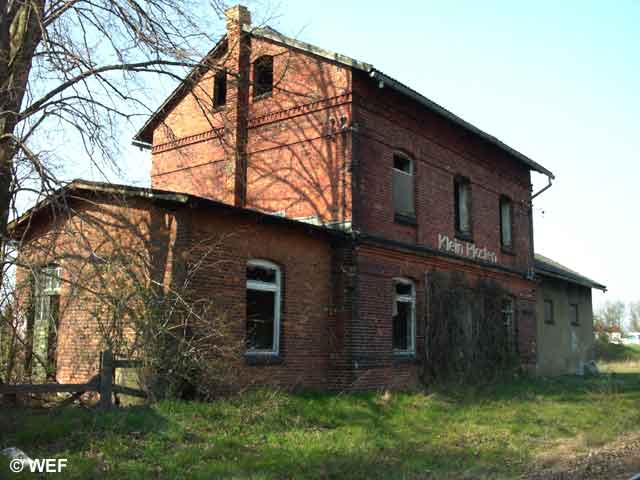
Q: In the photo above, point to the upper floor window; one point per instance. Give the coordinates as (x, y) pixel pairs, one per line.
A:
(548, 312)
(263, 307)
(404, 316)
(403, 185)
(462, 200)
(220, 89)
(506, 223)
(263, 75)
(573, 314)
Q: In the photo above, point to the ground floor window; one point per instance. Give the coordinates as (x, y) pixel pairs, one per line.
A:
(508, 318)
(404, 316)
(263, 307)
(45, 322)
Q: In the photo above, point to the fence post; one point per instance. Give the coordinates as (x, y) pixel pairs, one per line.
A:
(106, 379)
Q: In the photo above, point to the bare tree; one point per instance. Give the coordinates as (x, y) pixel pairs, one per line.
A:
(610, 316)
(634, 316)
(74, 67)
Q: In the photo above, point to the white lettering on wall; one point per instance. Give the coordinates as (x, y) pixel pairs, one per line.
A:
(466, 249)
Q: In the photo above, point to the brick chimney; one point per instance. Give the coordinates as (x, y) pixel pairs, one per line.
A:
(238, 67)
(237, 16)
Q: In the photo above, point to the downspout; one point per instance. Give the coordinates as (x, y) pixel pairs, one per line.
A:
(548, 186)
(531, 273)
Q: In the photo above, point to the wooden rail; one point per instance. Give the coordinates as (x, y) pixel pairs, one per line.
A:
(103, 383)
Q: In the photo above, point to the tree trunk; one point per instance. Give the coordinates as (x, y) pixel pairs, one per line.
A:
(20, 34)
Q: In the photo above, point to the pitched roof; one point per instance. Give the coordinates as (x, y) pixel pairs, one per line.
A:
(143, 137)
(78, 188)
(550, 268)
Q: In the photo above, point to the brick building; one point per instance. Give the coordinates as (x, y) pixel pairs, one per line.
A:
(347, 195)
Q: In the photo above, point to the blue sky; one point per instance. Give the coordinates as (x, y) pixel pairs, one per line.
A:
(558, 81)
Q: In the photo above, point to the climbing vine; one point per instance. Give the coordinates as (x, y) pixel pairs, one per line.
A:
(471, 329)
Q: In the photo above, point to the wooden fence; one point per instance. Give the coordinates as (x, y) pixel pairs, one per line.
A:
(103, 383)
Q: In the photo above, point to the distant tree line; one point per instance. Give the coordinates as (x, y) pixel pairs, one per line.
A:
(610, 317)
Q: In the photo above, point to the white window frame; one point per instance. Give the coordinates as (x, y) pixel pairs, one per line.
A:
(48, 284)
(411, 299)
(268, 287)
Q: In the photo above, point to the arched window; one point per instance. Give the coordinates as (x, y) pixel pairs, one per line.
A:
(263, 76)
(404, 316)
(403, 185)
(263, 307)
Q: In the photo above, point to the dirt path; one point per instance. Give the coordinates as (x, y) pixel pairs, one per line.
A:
(617, 460)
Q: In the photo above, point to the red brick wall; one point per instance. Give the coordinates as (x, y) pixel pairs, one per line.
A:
(372, 355)
(388, 122)
(157, 240)
(297, 142)
(108, 230)
(305, 263)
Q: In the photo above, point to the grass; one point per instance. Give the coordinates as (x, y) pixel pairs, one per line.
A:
(495, 431)
(618, 358)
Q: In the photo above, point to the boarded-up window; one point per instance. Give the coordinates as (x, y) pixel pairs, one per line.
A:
(404, 322)
(403, 185)
(548, 312)
(220, 89)
(462, 199)
(506, 210)
(573, 314)
(263, 307)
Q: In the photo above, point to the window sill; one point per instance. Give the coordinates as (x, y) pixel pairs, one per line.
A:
(549, 323)
(403, 358)
(508, 251)
(575, 324)
(405, 219)
(219, 108)
(262, 96)
(464, 236)
(257, 358)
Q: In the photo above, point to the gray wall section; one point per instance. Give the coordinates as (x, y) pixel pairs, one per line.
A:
(561, 345)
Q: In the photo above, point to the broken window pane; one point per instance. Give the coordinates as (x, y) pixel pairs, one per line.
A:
(403, 164)
(402, 326)
(403, 318)
(260, 319)
(403, 185)
(403, 288)
(261, 274)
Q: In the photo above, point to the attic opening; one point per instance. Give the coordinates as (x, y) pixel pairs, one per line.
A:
(220, 89)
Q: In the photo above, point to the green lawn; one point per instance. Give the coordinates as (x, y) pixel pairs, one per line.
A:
(490, 432)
